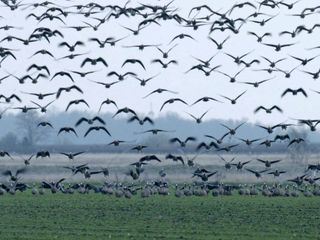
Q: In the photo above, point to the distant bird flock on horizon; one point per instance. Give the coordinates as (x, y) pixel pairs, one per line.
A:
(52, 22)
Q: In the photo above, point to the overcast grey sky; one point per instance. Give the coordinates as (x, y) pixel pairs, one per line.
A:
(190, 86)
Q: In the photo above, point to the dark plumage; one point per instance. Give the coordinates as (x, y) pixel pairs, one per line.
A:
(164, 64)
(68, 89)
(294, 92)
(90, 121)
(172, 100)
(134, 61)
(97, 128)
(141, 121)
(67, 130)
(182, 143)
(268, 110)
(94, 61)
(76, 102)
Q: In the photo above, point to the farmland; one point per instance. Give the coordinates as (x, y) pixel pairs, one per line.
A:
(97, 216)
(118, 164)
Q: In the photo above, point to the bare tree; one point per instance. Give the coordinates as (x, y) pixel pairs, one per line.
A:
(30, 133)
(9, 141)
(299, 153)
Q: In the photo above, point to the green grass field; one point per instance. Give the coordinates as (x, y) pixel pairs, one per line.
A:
(97, 216)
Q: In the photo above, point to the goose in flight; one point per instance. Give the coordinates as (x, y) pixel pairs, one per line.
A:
(71, 47)
(108, 102)
(198, 119)
(102, 43)
(83, 74)
(68, 89)
(43, 154)
(9, 98)
(67, 130)
(267, 143)
(282, 137)
(263, 22)
(94, 62)
(125, 110)
(76, 102)
(106, 85)
(135, 31)
(143, 81)
(133, 61)
(269, 129)
(62, 73)
(44, 124)
(141, 121)
(249, 142)
(304, 61)
(97, 128)
(204, 176)
(160, 90)
(164, 64)
(298, 180)
(14, 177)
(155, 131)
(175, 158)
(38, 68)
(182, 143)
(268, 110)
(268, 163)
(228, 164)
(90, 121)
(258, 174)
(139, 148)
(25, 109)
(237, 59)
(71, 156)
(205, 63)
(116, 143)
(207, 146)
(234, 101)
(258, 83)
(27, 160)
(227, 148)
(232, 78)
(232, 131)
(53, 186)
(276, 173)
(40, 96)
(260, 38)
(181, 36)
(296, 141)
(240, 165)
(205, 99)
(218, 140)
(43, 109)
(172, 100)
(5, 153)
(312, 124)
(272, 64)
(141, 47)
(278, 47)
(149, 158)
(219, 45)
(241, 5)
(165, 54)
(294, 92)
(78, 169)
(121, 76)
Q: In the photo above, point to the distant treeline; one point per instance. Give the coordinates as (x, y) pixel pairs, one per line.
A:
(21, 134)
(277, 148)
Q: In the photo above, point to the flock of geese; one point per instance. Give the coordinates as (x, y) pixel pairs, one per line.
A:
(51, 22)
